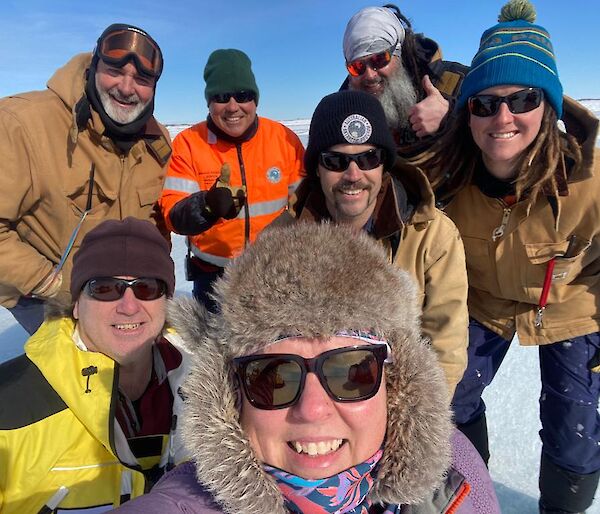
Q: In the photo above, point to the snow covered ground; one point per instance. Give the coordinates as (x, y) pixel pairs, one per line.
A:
(512, 400)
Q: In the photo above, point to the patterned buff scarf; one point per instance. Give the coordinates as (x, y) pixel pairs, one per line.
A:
(344, 493)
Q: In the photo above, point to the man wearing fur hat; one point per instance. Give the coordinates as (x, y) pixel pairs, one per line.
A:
(85, 150)
(88, 416)
(405, 70)
(352, 179)
(231, 175)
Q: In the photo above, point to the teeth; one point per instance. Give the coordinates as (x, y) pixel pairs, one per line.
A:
(351, 191)
(503, 135)
(127, 326)
(320, 448)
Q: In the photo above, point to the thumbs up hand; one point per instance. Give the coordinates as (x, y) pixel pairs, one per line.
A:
(426, 116)
(224, 200)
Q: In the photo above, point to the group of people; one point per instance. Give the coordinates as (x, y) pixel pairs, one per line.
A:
(352, 300)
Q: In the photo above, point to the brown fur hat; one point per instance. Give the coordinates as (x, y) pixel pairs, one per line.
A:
(311, 280)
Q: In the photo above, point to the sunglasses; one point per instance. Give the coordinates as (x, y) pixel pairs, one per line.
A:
(336, 161)
(118, 47)
(276, 381)
(376, 61)
(109, 289)
(519, 102)
(240, 97)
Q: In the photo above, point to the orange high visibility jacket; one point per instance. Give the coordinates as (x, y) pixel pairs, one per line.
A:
(270, 165)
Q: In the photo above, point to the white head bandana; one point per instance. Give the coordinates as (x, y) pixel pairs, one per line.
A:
(372, 30)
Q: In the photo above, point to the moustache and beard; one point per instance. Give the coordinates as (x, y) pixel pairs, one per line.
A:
(123, 115)
(398, 96)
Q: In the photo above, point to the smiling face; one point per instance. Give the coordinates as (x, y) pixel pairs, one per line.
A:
(375, 81)
(123, 92)
(351, 195)
(504, 137)
(124, 329)
(317, 437)
(232, 117)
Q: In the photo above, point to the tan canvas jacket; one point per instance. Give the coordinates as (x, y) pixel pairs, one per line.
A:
(424, 242)
(45, 175)
(507, 272)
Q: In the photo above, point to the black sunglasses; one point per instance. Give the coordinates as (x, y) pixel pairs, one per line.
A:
(337, 161)
(376, 61)
(519, 102)
(109, 289)
(276, 381)
(240, 97)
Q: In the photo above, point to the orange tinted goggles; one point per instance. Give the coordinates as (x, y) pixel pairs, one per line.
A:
(375, 61)
(118, 47)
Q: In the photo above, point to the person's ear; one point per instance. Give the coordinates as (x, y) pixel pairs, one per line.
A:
(76, 310)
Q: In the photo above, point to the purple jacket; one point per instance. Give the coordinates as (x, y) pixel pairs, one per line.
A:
(178, 492)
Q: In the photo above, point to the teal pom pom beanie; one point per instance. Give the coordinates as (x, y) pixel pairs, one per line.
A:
(515, 51)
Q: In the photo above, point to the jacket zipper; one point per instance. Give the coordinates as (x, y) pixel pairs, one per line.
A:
(459, 498)
(498, 232)
(247, 207)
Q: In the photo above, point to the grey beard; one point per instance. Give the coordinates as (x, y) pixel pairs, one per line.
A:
(398, 96)
(113, 111)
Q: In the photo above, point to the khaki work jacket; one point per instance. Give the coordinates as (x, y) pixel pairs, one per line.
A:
(45, 175)
(423, 241)
(508, 251)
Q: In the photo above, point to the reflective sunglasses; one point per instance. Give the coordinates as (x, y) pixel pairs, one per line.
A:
(337, 161)
(376, 61)
(240, 97)
(118, 47)
(276, 381)
(109, 289)
(519, 102)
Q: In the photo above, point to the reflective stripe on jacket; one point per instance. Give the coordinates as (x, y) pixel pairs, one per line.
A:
(269, 165)
(57, 427)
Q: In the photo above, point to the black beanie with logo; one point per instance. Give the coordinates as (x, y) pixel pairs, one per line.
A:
(348, 117)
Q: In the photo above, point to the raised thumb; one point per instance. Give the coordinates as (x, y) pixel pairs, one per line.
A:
(428, 87)
(225, 176)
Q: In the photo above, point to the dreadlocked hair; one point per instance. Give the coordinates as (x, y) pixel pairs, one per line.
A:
(412, 61)
(451, 162)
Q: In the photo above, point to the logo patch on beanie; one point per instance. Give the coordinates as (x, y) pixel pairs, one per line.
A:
(274, 175)
(356, 129)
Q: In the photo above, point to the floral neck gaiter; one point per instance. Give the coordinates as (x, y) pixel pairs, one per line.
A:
(344, 493)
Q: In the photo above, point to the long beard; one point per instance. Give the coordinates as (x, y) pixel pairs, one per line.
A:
(398, 96)
(115, 112)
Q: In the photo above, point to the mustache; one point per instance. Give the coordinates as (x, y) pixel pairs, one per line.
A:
(351, 186)
(133, 98)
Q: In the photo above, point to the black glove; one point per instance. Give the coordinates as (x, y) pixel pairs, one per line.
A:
(223, 200)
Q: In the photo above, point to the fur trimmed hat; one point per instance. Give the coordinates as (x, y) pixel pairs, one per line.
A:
(515, 51)
(348, 117)
(129, 247)
(310, 280)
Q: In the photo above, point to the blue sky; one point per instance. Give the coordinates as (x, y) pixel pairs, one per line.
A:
(295, 46)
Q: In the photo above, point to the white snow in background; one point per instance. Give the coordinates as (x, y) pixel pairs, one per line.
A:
(512, 399)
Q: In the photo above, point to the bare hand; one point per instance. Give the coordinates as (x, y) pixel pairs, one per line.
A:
(426, 116)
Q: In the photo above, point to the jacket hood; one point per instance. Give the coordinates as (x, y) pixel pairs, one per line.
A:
(68, 82)
(303, 280)
(583, 125)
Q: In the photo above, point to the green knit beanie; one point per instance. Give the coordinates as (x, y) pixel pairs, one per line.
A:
(228, 71)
